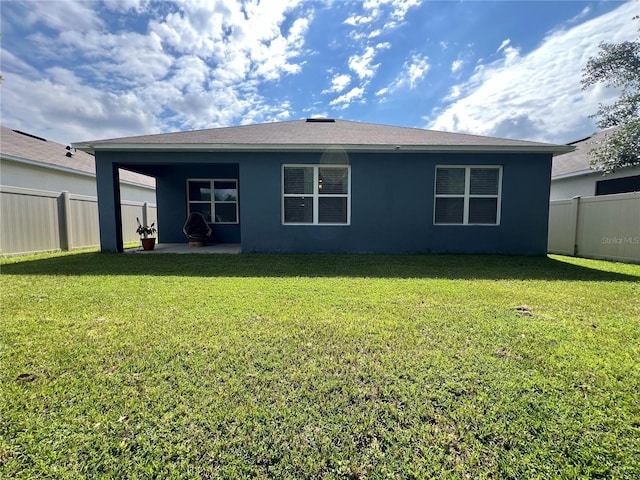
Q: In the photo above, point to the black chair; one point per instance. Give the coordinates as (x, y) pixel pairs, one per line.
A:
(197, 229)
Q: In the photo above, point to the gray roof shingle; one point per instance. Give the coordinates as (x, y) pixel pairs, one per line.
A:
(578, 161)
(305, 134)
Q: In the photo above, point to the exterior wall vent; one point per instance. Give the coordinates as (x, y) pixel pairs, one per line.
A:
(320, 120)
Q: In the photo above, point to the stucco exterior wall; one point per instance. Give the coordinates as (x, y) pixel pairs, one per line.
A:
(24, 175)
(31, 176)
(392, 197)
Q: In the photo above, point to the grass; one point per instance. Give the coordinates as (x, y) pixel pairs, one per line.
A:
(318, 366)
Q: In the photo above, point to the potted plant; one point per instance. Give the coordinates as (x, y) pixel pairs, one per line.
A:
(146, 231)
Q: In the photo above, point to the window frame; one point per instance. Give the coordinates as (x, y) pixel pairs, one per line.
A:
(467, 195)
(316, 196)
(212, 202)
(614, 186)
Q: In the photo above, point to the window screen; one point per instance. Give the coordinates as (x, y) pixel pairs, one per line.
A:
(467, 195)
(316, 194)
(216, 200)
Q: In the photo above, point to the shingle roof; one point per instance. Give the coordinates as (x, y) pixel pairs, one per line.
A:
(307, 134)
(21, 146)
(578, 161)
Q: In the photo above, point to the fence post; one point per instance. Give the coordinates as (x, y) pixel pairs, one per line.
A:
(145, 213)
(66, 239)
(575, 216)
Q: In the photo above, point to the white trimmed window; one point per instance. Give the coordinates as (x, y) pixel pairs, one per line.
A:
(467, 195)
(316, 194)
(216, 199)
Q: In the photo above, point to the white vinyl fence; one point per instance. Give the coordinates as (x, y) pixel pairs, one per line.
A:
(605, 227)
(33, 221)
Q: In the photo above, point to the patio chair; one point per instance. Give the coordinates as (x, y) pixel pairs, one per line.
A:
(197, 230)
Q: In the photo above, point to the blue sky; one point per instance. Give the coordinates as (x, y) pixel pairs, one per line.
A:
(76, 71)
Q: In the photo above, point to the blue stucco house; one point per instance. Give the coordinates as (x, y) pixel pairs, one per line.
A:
(325, 185)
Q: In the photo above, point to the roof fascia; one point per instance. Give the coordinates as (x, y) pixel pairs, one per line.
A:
(51, 166)
(137, 185)
(589, 171)
(579, 173)
(221, 147)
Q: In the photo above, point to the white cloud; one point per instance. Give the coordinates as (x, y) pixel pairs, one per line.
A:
(315, 111)
(338, 83)
(277, 56)
(537, 96)
(343, 101)
(376, 18)
(504, 44)
(397, 8)
(585, 11)
(416, 69)
(362, 65)
(95, 69)
(189, 73)
(247, 36)
(62, 15)
(130, 58)
(126, 5)
(13, 63)
(454, 93)
(356, 20)
(401, 7)
(196, 65)
(413, 71)
(384, 14)
(510, 53)
(72, 111)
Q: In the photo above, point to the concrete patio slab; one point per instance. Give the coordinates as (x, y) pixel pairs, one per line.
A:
(184, 248)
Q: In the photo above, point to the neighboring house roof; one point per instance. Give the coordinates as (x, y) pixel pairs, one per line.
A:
(578, 161)
(26, 148)
(318, 134)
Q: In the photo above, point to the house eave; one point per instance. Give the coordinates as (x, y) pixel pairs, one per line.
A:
(72, 171)
(580, 173)
(49, 166)
(272, 147)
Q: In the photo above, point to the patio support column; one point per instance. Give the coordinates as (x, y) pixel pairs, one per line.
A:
(109, 208)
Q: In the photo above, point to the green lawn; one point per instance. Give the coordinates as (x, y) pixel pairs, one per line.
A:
(318, 366)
